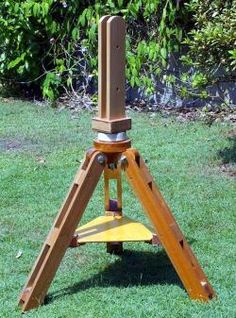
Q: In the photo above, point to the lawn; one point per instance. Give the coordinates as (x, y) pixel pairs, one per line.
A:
(40, 151)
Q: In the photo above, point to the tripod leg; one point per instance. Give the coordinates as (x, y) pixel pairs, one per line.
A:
(62, 232)
(170, 235)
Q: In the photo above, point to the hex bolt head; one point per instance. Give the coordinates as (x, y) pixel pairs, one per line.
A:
(123, 162)
(101, 159)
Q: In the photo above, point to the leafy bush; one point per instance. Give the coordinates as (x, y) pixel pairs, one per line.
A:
(212, 41)
(54, 43)
(50, 46)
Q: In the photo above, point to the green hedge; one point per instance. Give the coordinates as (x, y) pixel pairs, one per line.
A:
(51, 46)
(212, 41)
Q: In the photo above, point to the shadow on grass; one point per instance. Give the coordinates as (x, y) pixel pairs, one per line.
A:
(228, 154)
(133, 268)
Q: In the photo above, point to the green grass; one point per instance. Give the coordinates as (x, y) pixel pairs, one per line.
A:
(40, 151)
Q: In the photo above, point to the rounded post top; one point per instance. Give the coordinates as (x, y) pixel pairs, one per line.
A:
(116, 18)
(104, 18)
(111, 18)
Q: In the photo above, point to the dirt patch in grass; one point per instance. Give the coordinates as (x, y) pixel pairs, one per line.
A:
(14, 144)
(231, 133)
(229, 169)
(10, 144)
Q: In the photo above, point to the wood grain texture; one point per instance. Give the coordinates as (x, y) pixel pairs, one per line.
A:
(168, 231)
(102, 66)
(61, 234)
(114, 175)
(111, 76)
(111, 126)
(115, 68)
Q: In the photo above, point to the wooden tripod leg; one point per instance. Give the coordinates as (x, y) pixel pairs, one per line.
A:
(62, 232)
(170, 235)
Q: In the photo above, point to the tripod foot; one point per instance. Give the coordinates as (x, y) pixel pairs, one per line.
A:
(115, 248)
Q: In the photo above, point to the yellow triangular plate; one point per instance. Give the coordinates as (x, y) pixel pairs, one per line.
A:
(109, 228)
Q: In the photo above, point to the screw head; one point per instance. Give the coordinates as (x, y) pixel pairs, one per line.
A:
(101, 159)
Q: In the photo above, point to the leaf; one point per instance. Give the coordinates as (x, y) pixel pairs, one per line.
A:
(120, 3)
(163, 52)
(2, 56)
(69, 81)
(164, 14)
(16, 8)
(137, 81)
(45, 8)
(82, 18)
(92, 32)
(132, 81)
(75, 33)
(53, 27)
(36, 9)
(17, 61)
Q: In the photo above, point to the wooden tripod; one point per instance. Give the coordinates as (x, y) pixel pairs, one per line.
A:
(112, 154)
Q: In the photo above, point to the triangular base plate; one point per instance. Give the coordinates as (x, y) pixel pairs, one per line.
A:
(110, 228)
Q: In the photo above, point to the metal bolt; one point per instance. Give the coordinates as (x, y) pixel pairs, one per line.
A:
(101, 159)
(123, 162)
(112, 166)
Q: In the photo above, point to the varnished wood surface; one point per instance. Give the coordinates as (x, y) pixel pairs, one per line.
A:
(102, 66)
(115, 68)
(61, 234)
(168, 231)
(111, 116)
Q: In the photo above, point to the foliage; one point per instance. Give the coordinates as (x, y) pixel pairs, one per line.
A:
(51, 46)
(211, 43)
(54, 43)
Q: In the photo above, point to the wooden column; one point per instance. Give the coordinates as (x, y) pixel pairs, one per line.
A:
(111, 77)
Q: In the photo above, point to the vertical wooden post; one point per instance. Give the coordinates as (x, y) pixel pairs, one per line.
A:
(115, 68)
(102, 66)
(111, 79)
(115, 203)
(113, 206)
